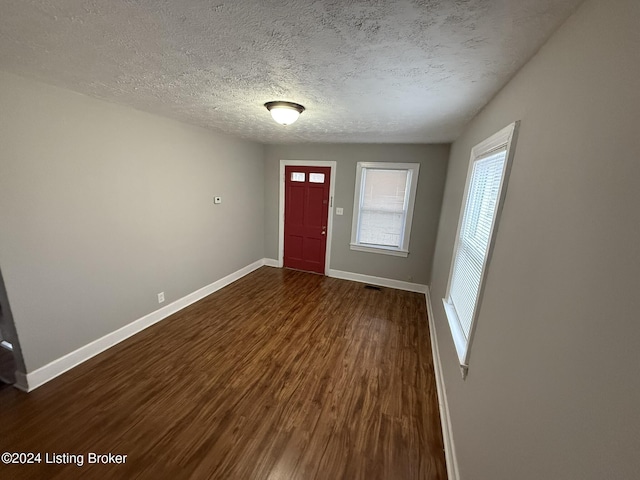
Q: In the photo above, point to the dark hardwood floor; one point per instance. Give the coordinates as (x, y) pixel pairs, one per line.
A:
(281, 375)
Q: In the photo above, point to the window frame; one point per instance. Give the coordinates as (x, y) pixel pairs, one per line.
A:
(505, 137)
(403, 249)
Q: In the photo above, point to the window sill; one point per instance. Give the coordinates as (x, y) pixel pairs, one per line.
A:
(385, 251)
(459, 339)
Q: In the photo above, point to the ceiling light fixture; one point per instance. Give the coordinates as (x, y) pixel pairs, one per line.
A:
(285, 113)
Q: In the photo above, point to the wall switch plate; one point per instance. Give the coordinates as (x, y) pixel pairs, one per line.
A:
(161, 297)
(217, 200)
(339, 211)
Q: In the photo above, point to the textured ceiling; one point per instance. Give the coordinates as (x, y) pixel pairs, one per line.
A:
(367, 71)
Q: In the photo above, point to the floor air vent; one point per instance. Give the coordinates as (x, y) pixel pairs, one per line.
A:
(372, 287)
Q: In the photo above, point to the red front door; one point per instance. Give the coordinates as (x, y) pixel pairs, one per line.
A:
(306, 211)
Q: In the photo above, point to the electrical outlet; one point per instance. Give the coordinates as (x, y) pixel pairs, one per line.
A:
(161, 297)
(339, 211)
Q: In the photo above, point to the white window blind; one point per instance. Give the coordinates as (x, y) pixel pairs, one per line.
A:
(473, 238)
(383, 207)
(488, 176)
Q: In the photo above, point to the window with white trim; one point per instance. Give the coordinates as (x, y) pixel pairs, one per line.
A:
(383, 207)
(484, 194)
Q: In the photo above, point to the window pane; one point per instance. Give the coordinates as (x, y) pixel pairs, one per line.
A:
(384, 189)
(465, 285)
(381, 227)
(316, 177)
(383, 207)
(297, 176)
(475, 231)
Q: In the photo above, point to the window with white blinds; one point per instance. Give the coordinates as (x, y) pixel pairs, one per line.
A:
(383, 207)
(480, 211)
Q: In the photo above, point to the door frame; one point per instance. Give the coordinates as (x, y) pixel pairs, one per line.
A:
(332, 186)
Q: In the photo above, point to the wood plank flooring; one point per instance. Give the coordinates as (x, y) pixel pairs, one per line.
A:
(282, 375)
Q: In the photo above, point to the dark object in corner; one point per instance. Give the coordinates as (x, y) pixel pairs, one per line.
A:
(372, 287)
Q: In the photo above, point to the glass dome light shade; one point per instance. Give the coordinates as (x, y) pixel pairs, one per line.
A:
(285, 113)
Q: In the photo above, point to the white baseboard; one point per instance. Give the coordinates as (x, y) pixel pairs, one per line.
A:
(383, 282)
(42, 375)
(271, 262)
(443, 404)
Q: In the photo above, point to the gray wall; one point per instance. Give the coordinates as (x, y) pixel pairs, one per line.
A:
(553, 390)
(433, 164)
(102, 207)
